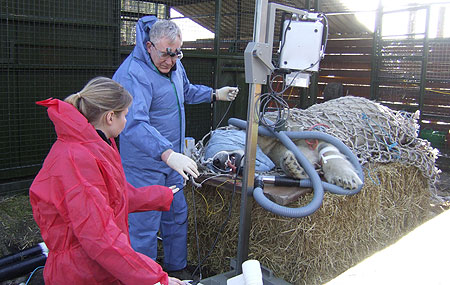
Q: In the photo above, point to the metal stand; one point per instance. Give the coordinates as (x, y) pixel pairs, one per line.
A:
(258, 67)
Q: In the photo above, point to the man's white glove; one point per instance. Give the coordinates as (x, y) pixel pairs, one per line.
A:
(182, 164)
(227, 93)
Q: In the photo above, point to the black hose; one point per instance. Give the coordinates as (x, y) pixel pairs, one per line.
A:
(24, 254)
(17, 269)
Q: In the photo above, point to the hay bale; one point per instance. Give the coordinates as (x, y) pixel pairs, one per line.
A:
(315, 249)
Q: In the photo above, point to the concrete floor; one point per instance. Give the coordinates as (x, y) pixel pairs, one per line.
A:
(420, 257)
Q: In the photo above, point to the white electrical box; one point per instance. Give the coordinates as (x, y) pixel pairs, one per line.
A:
(299, 79)
(301, 45)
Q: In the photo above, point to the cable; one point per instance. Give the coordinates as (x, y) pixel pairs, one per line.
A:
(273, 100)
(224, 115)
(196, 233)
(284, 35)
(211, 177)
(219, 233)
(326, 34)
(36, 269)
(268, 101)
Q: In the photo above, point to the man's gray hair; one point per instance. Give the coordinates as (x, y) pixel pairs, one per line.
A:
(164, 29)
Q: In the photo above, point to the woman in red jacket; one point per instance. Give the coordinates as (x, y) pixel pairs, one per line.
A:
(81, 199)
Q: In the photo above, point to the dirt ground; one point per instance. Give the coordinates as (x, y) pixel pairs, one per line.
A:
(18, 230)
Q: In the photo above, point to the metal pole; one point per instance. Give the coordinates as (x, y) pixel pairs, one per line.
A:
(259, 35)
(375, 53)
(217, 69)
(238, 26)
(423, 75)
(313, 87)
(217, 25)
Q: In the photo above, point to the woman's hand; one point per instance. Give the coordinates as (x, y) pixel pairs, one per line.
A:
(174, 189)
(175, 281)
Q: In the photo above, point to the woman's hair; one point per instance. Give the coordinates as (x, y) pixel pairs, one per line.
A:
(164, 29)
(100, 95)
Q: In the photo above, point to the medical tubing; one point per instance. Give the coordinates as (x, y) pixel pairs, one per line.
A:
(318, 192)
(321, 136)
(314, 181)
(342, 148)
(303, 183)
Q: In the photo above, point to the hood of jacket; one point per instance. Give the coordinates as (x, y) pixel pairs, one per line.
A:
(142, 29)
(70, 124)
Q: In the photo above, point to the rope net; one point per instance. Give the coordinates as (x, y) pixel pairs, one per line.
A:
(373, 132)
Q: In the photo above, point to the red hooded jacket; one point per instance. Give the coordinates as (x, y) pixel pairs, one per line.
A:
(81, 200)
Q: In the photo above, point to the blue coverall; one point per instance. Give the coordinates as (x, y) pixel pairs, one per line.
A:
(155, 123)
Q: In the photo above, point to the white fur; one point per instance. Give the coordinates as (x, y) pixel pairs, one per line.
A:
(335, 166)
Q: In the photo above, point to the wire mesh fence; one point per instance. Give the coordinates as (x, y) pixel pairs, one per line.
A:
(52, 48)
(48, 49)
(413, 69)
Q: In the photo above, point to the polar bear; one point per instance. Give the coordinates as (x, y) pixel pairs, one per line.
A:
(335, 166)
(370, 130)
(325, 157)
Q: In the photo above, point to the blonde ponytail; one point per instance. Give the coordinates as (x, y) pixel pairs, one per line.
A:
(99, 96)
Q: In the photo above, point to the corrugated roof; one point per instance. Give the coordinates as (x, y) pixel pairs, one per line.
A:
(237, 17)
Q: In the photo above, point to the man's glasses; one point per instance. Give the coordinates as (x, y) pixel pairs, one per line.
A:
(169, 53)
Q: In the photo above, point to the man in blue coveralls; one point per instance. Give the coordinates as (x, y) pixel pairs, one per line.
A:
(151, 145)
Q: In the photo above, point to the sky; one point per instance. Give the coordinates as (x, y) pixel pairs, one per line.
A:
(190, 30)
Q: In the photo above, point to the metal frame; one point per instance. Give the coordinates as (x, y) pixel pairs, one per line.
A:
(377, 57)
(258, 67)
(264, 40)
